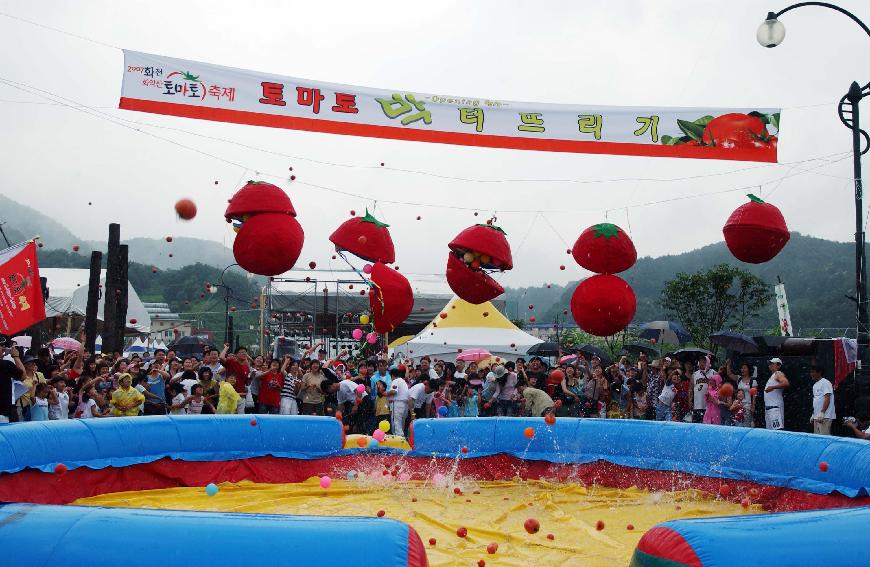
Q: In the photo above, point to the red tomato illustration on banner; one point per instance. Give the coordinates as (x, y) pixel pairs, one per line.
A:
(269, 238)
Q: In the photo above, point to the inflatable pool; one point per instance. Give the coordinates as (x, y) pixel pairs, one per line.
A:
(458, 471)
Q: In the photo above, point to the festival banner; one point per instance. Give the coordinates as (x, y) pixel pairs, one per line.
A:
(785, 328)
(21, 301)
(190, 89)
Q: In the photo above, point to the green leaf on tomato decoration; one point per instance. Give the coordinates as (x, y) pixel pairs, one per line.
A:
(763, 117)
(704, 120)
(774, 121)
(670, 140)
(690, 129)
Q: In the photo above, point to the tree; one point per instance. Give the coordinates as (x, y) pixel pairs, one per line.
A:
(708, 301)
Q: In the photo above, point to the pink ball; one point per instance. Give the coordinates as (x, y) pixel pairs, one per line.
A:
(360, 389)
(372, 338)
(325, 482)
(379, 435)
(357, 334)
(367, 269)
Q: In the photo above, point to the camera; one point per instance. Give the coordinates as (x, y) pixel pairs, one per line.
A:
(850, 419)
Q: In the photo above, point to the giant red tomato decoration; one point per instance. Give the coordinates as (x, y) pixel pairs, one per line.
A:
(604, 248)
(756, 231)
(473, 251)
(269, 238)
(366, 237)
(390, 298)
(734, 130)
(603, 305)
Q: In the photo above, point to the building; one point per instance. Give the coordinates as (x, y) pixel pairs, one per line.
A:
(167, 326)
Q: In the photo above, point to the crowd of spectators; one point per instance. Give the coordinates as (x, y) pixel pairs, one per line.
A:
(78, 384)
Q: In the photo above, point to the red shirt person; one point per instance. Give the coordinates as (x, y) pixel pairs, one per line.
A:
(271, 383)
(240, 365)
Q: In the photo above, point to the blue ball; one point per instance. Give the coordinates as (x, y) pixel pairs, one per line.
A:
(211, 489)
(442, 411)
(351, 475)
(373, 443)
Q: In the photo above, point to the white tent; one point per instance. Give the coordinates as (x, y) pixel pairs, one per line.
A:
(468, 326)
(68, 295)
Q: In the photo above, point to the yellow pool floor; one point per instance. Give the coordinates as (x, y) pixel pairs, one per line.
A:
(492, 512)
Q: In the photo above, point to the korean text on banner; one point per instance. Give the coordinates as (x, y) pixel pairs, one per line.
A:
(190, 89)
(21, 301)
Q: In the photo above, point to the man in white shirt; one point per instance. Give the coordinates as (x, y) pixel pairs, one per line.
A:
(419, 395)
(212, 361)
(823, 402)
(700, 382)
(346, 392)
(398, 396)
(460, 371)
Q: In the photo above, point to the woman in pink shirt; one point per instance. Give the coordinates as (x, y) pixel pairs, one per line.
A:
(712, 416)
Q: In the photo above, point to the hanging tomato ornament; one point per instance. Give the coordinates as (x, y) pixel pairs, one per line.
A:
(603, 305)
(269, 238)
(390, 298)
(475, 250)
(756, 231)
(604, 248)
(365, 237)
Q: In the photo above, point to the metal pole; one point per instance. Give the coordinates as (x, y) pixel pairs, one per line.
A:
(854, 96)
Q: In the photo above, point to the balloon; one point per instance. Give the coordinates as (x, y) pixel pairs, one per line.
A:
(384, 426)
(325, 482)
(185, 209)
(211, 489)
(529, 432)
(364, 319)
(442, 411)
(372, 338)
(379, 435)
(351, 475)
(356, 334)
(367, 269)
(360, 389)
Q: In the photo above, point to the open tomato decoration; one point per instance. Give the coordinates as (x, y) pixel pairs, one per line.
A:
(269, 238)
(603, 305)
(473, 251)
(604, 248)
(756, 231)
(365, 237)
(390, 298)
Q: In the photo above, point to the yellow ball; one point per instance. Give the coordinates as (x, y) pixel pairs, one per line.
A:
(364, 319)
(384, 426)
(468, 257)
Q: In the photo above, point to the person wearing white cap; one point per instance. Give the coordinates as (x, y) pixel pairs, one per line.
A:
(774, 405)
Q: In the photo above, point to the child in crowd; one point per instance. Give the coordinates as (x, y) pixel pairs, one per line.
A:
(126, 399)
(470, 406)
(738, 409)
(725, 403)
(58, 400)
(39, 408)
(229, 397)
(197, 401)
(179, 400)
(382, 404)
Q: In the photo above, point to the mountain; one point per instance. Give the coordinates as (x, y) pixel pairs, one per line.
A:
(23, 222)
(817, 274)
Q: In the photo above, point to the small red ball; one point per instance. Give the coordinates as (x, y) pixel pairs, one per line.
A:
(457, 491)
(629, 527)
(432, 541)
(745, 502)
(724, 491)
(254, 422)
(551, 537)
(186, 208)
(60, 469)
(464, 450)
(823, 466)
(599, 525)
(532, 525)
(492, 548)
(462, 532)
(381, 513)
(481, 563)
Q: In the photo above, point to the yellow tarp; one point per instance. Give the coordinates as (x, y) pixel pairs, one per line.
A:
(493, 512)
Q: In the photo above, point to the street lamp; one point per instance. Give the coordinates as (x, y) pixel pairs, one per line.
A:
(771, 33)
(228, 293)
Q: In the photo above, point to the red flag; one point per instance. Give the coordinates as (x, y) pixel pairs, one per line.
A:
(21, 301)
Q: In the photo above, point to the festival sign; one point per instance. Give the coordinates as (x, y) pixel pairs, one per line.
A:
(190, 89)
(21, 301)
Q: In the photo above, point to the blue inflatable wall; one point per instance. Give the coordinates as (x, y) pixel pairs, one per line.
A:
(48, 536)
(118, 442)
(778, 458)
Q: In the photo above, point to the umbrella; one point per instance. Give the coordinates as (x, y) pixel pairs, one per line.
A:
(634, 349)
(592, 350)
(736, 342)
(693, 354)
(66, 343)
(544, 349)
(473, 354)
(567, 358)
(665, 332)
(190, 346)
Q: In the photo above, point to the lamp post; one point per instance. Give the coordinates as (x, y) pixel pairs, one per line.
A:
(228, 293)
(771, 33)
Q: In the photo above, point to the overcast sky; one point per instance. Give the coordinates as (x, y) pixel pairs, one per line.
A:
(634, 53)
